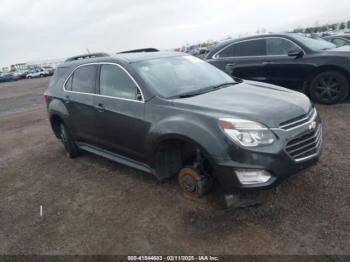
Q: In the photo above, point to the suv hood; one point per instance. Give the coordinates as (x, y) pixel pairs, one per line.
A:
(264, 103)
(339, 51)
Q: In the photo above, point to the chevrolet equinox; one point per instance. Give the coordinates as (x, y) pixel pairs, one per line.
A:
(171, 114)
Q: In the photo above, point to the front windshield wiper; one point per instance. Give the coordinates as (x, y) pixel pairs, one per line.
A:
(205, 90)
(224, 85)
(328, 48)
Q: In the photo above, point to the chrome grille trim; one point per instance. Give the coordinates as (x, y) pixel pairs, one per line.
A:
(315, 136)
(305, 146)
(293, 124)
(309, 150)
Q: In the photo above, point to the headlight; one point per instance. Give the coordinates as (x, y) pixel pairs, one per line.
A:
(247, 133)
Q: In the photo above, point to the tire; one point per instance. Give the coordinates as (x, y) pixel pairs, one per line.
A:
(329, 87)
(29, 77)
(67, 140)
(41, 75)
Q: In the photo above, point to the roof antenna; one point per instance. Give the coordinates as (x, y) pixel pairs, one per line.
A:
(87, 49)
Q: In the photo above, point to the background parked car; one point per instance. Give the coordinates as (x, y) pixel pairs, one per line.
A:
(338, 40)
(37, 73)
(20, 74)
(313, 66)
(203, 50)
(193, 50)
(49, 69)
(7, 77)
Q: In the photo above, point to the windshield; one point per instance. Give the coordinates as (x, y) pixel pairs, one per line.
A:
(176, 76)
(314, 44)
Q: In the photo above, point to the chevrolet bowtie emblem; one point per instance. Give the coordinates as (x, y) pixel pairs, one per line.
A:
(312, 125)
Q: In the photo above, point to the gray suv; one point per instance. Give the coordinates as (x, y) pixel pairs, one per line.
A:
(170, 114)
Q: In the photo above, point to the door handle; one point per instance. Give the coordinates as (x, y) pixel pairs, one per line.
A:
(231, 65)
(100, 108)
(67, 99)
(267, 63)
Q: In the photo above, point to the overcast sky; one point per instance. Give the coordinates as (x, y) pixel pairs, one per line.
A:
(46, 29)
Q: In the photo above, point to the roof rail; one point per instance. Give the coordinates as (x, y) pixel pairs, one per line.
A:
(86, 56)
(140, 50)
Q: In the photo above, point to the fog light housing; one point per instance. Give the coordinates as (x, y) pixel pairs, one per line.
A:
(251, 177)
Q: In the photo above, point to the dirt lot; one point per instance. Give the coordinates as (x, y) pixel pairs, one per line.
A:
(94, 206)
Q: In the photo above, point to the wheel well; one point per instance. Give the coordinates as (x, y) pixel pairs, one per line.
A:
(173, 154)
(55, 124)
(321, 69)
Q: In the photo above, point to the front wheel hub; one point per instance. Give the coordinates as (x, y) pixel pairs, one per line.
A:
(193, 183)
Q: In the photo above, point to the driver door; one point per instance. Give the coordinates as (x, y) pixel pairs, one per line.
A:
(282, 69)
(119, 105)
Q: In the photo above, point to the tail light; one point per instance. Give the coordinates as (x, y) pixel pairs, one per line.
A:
(46, 97)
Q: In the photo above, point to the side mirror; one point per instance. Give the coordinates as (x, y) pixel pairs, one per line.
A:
(138, 95)
(296, 53)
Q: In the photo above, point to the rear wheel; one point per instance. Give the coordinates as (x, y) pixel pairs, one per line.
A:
(68, 142)
(330, 87)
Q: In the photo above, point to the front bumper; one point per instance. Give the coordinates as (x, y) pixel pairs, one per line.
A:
(229, 182)
(275, 159)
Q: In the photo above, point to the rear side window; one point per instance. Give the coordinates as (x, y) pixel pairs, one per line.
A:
(68, 85)
(84, 79)
(115, 82)
(246, 48)
(58, 74)
(227, 52)
(279, 46)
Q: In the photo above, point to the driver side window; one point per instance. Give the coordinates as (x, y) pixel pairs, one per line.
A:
(279, 46)
(115, 82)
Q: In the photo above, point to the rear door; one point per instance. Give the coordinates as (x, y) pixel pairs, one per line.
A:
(120, 124)
(80, 89)
(245, 59)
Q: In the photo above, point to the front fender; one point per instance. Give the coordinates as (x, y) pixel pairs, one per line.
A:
(204, 134)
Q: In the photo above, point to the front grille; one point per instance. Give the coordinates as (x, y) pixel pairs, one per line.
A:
(298, 121)
(306, 145)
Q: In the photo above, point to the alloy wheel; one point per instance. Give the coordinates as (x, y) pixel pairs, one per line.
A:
(328, 88)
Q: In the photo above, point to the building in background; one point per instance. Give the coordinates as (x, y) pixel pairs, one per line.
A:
(16, 67)
(35, 64)
(5, 69)
(44, 63)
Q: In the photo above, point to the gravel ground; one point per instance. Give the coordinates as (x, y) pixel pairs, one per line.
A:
(94, 206)
(22, 95)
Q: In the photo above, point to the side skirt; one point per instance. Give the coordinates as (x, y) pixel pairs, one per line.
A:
(116, 158)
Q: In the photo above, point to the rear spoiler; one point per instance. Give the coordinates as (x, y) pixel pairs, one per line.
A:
(139, 50)
(86, 56)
